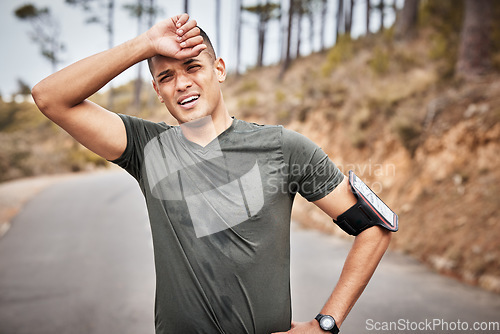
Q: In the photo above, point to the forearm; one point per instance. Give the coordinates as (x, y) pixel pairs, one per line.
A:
(365, 255)
(75, 83)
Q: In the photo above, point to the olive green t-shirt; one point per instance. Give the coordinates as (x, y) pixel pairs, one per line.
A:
(220, 221)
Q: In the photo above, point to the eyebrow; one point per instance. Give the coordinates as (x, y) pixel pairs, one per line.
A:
(187, 62)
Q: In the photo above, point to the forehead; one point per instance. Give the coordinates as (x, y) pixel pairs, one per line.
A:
(161, 63)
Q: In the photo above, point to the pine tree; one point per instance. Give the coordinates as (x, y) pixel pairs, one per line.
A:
(474, 51)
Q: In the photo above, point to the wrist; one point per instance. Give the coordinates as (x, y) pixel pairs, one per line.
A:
(144, 46)
(327, 323)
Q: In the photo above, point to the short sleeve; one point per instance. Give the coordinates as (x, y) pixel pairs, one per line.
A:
(139, 133)
(311, 173)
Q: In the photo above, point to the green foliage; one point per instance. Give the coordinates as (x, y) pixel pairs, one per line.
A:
(379, 63)
(18, 116)
(445, 19)
(279, 96)
(341, 52)
(381, 104)
(388, 35)
(29, 11)
(98, 11)
(249, 102)
(249, 85)
(45, 31)
(406, 60)
(266, 11)
(283, 115)
(79, 158)
(336, 93)
(14, 157)
(140, 9)
(86, 4)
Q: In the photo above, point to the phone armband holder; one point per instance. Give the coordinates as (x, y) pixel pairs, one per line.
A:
(367, 212)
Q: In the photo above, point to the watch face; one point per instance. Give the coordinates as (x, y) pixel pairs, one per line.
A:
(326, 323)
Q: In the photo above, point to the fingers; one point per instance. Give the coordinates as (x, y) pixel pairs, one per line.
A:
(189, 34)
(187, 38)
(191, 52)
(186, 27)
(180, 20)
(192, 42)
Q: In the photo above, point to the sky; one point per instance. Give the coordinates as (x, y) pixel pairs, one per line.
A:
(21, 58)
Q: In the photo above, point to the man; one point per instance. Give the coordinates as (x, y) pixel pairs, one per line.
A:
(219, 191)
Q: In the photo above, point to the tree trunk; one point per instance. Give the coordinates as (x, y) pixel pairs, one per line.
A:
(238, 36)
(348, 18)
(340, 18)
(382, 14)
(474, 51)
(283, 29)
(406, 22)
(261, 33)
(151, 13)
(286, 63)
(138, 80)
(368, 13)
(310, 16)
(300, 12)
(324, 10)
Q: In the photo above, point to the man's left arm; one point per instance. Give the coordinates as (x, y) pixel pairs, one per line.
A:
(363, 258)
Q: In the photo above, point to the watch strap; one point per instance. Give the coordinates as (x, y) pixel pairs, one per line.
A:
(334, 330)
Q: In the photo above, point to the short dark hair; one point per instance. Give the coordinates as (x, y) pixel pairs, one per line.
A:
(206, 40)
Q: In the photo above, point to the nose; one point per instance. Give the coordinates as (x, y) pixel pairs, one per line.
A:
(183, 82)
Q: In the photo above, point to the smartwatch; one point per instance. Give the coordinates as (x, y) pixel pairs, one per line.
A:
(327, 323)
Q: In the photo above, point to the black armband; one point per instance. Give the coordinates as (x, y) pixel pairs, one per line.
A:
(367, 212)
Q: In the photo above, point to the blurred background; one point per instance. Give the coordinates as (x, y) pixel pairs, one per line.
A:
(405, 92)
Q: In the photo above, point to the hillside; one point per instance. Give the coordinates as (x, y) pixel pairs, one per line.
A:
(427, 143)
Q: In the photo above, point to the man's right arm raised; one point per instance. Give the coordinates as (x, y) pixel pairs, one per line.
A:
(62, 96)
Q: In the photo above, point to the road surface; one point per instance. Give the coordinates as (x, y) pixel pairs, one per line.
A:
(79, 259)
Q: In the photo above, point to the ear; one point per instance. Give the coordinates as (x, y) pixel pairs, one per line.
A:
(220, 69)
(157, 91)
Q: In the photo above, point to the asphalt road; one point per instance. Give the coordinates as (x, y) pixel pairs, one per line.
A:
(79, 259)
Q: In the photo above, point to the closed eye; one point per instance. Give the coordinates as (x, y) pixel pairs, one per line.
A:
(166, 78)
(193, 68)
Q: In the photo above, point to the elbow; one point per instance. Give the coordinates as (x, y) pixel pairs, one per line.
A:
(45, 99)
(39, 96)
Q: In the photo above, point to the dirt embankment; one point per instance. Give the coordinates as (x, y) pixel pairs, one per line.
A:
(446, 194)
(430, 147)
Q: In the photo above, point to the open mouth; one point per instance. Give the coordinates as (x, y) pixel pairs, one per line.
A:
(189, 100)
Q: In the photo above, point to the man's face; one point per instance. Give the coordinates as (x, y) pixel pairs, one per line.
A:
(189, 88)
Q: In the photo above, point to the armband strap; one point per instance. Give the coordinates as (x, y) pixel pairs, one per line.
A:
(368, 211)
